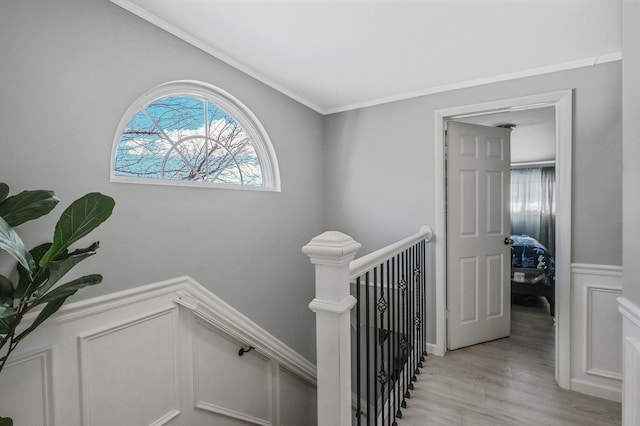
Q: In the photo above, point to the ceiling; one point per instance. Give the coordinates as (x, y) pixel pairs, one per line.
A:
(339, 55)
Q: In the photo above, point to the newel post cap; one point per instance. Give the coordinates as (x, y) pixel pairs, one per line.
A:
(331, 248)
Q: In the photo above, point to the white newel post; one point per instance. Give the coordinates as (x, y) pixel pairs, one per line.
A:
(332, 252)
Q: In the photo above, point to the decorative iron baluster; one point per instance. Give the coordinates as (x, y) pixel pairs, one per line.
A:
(405, 326)
(367, 338)
(398, 306)
(394, 407)
(382, 375)
(358, 360)
(375, 348)
(388, 340)
(423, 243)
(400, 391)
(410, 318)
(417, 272)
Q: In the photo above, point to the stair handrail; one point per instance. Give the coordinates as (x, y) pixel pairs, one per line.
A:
(366, 262)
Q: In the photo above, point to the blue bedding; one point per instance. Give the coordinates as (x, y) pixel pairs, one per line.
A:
(527, 252)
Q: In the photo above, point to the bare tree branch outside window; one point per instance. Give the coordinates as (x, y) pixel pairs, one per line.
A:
(188, 139)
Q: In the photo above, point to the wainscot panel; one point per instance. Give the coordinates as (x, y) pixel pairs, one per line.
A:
(596, 331)
(28, 374)
(161, 354)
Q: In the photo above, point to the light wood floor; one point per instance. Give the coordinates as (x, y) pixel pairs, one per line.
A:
(505, 382)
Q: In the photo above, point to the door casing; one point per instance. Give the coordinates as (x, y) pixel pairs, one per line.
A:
(562, 101)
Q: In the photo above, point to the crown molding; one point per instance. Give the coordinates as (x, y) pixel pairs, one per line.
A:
(240, 66)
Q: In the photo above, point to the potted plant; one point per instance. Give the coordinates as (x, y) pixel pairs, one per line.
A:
(38, 287)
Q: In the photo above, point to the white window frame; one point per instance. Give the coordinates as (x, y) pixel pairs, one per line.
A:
(225, 101)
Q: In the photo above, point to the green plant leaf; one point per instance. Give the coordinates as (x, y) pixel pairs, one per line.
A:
(25, 279)
(11, 242)
(58, 268)
(6, 312)
(5, 324)
(6, 287)
(56, 298)
(66, 290)
(4, 191)
(6, 421)
(80, 218)
(27, 205)
(49, 309)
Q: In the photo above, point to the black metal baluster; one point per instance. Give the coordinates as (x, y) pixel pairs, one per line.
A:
(405, 326)
(375, 348)
(367, 338)
(393, 339)
(381, 305)
(411, 323)
(399, 391)
(418, 311)
(358, 355)
(401, 340)
(423, 284)
(416, 317)
(423, 308)
(388, 335)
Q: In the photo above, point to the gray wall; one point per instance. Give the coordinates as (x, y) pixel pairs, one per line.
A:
(379, 177)
(631, 148)
(70, 69)
(379, 162)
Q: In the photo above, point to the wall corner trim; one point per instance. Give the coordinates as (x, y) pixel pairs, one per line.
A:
(629, 310)
(631, 361)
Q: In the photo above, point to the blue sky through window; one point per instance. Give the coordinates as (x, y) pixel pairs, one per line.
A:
(188, 139)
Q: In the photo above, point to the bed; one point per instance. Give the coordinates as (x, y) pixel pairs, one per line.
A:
(533, 269)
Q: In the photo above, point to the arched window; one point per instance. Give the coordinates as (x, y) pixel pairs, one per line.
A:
(192, 133)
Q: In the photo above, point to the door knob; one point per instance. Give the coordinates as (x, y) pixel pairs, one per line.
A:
(508, 241)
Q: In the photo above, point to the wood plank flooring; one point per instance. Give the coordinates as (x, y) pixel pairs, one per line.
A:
(505, 382)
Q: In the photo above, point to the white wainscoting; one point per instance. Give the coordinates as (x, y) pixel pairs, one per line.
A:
(596, 330)
(162, 354)
(631, 362)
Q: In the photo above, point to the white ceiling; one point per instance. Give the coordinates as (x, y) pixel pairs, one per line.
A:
(340, 55)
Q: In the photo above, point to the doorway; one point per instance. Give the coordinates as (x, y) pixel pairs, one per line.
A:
(561, 102)
(524, 263)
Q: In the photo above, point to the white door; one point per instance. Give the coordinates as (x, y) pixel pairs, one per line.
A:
(478, 234)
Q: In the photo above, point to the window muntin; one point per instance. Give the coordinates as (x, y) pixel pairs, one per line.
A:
(189, 133)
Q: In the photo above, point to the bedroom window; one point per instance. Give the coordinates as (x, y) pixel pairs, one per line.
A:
(191, 133)
(533, 204)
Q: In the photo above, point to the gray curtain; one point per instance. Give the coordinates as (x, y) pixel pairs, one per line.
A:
(533, 204)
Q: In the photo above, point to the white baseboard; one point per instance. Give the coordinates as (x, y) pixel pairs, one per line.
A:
(599, 390)
(434, 349)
